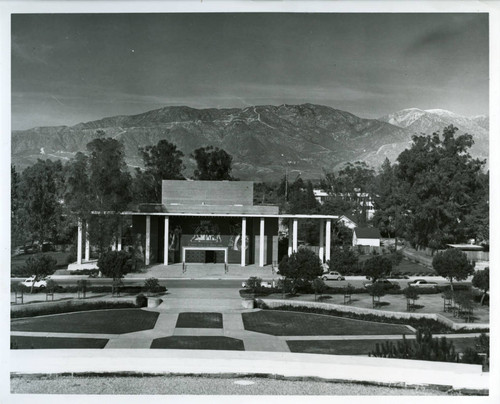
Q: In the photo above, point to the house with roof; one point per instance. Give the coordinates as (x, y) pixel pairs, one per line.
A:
(366, 236)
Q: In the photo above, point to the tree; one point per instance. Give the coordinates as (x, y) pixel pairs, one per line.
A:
(303, 265)
(109, 178)
(161, 162)
(39, 267)
(213, 164)
(109, 182)
(40, 207)
(452, 264)
(376, 291)
(345, 260)
(411, 294)
(319, 287)
(441, 185)
(17, 230)
(481, 280)
(388, 200)
(115, 264)
(351, 188)
(377, 267)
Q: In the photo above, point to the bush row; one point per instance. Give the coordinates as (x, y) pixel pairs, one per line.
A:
(433, 325)
(34, 310)
(90, 288)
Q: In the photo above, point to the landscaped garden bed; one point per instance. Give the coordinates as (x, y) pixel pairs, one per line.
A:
(98, 322)
(199, 320)
(283, 323)
(433, 325)
(25, 342)
(67, 306)
(199, 342)
(357, 347)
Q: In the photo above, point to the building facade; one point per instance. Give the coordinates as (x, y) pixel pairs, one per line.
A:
(212, 222)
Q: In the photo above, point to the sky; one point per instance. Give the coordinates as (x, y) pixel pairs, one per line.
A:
(71, 68)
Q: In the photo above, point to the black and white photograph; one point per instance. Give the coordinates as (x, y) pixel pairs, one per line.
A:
(232, 200)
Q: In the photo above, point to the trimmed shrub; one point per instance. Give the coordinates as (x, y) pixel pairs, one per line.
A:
(32, 310)
(141, 301)
(152, 285)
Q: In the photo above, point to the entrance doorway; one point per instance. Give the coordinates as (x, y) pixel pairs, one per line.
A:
(210, 257)
(204, 255)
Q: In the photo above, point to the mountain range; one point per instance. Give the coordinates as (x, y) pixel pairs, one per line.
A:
(265, 141)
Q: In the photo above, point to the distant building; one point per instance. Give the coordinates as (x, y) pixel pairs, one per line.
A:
(211, 222)
(362, 199)
(348, 222)
(366, 236)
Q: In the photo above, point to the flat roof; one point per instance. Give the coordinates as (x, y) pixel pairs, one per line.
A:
(282, 216)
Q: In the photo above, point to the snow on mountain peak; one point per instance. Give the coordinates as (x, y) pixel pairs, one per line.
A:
(442, 112)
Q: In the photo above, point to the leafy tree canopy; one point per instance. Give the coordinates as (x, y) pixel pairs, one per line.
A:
(116, 264)
(344, 260)
(213, 164)
(453, 265)
(40, 208)
(162, 162)
(377, 267)
(109, 179)
(303, 264)
(481, 280)
(441, 185)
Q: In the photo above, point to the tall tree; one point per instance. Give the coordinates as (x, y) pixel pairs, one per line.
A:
(388, 200)
(213, 164)
(41, 204)
(453, 265)
(351, 187)
(109, 182)
(161, 162)
(481, 280)
(441, 184)
(17, 228)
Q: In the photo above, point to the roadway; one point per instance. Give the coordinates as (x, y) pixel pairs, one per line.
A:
(356, 281)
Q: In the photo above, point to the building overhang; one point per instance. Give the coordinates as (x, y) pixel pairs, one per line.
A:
(209, 214)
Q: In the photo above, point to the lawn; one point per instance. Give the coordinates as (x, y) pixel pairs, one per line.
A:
(406, 267)
(199, 320)
(276, 322)
(22, 342)
(357, 347)
(199, 342)
(97, 321)
(19, 261)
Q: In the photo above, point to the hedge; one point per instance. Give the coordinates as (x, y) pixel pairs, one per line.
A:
(68, 306)
(90, 288)
(435, 326)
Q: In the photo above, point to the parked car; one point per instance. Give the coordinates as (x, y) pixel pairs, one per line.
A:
(332, 276)
(41, 283)
(421, 283)
(387, 284)
(263, 284)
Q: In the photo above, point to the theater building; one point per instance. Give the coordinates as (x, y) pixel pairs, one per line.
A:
(213, 222)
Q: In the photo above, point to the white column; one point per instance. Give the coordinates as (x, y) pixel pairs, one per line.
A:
(87, 242)
(243, 240)
(328, 239)
(289, 240)
(295, 235)
(166, 242)
(119, 237)
(322, 240)
(148, 239)
(261, 243)
(79, 244)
